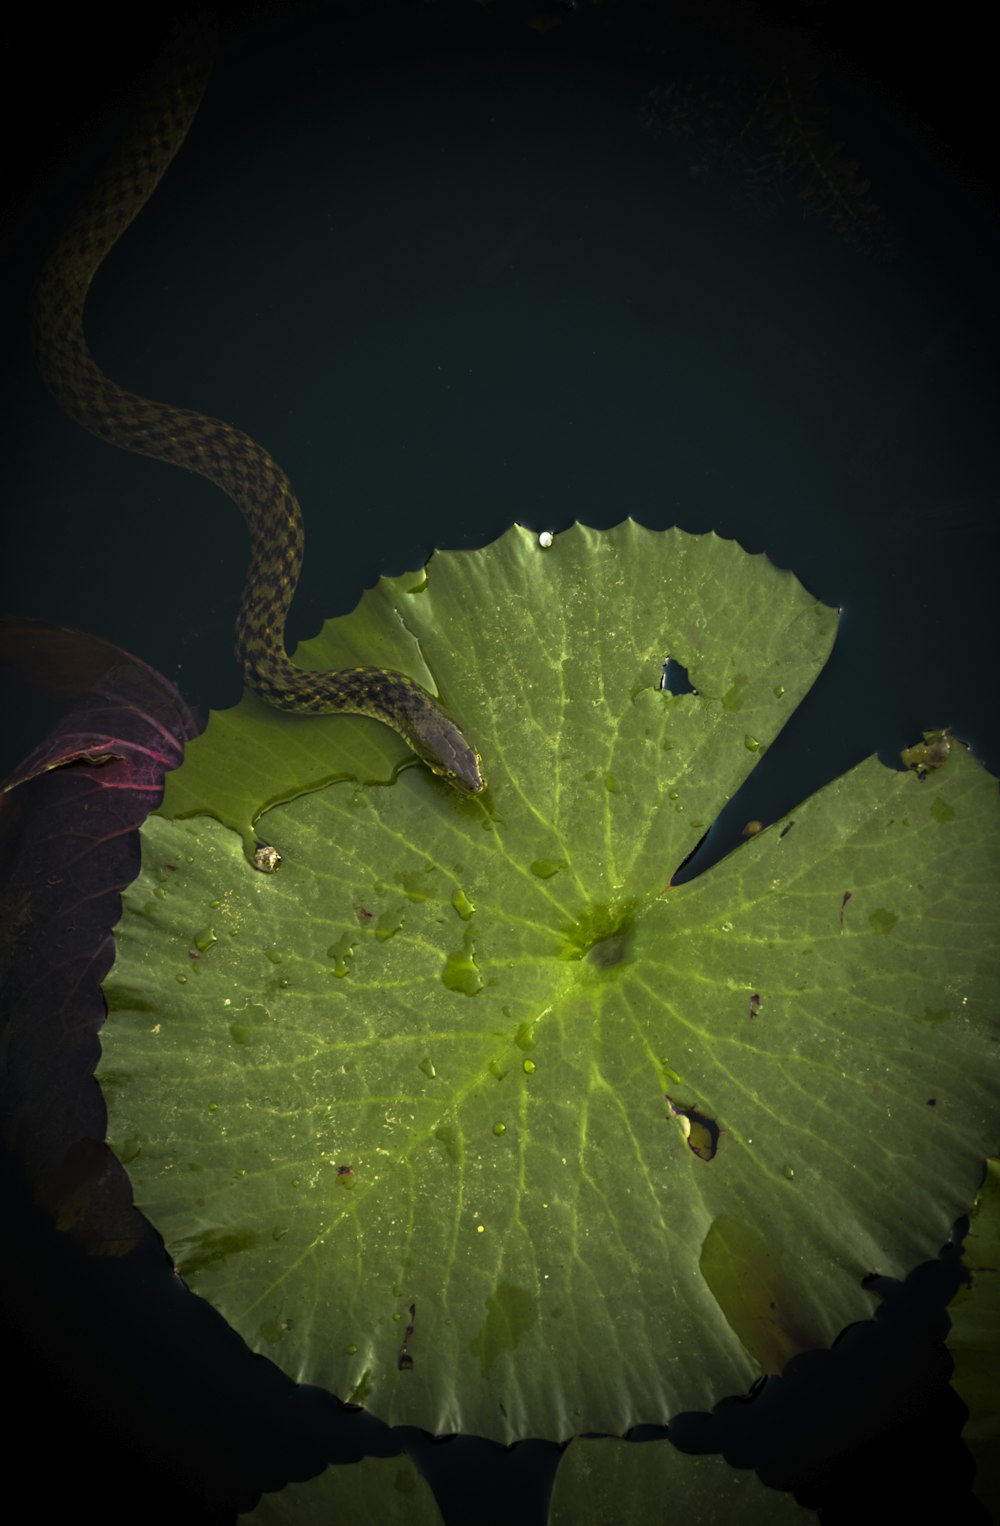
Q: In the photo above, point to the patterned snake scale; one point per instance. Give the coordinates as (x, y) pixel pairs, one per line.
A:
(207, 446)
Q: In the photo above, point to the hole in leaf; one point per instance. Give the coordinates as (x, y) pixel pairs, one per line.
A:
(674, 678)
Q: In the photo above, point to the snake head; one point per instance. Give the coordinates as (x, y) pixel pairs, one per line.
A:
(470, 780)
(441, 743)
(459, 763)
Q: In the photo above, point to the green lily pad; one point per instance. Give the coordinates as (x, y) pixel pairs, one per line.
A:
(604, 1479)
(465, 1113)
(377, 1491)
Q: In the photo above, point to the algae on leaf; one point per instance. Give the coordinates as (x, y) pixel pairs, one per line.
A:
(465, 1113)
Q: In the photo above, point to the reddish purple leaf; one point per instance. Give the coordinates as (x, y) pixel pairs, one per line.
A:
(69, 819)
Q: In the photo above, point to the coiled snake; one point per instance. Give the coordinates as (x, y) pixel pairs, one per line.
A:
(209, 447)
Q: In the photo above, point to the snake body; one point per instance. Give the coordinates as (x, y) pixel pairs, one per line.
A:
(209, 447)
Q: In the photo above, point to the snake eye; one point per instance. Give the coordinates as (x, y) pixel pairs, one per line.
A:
(464, 786)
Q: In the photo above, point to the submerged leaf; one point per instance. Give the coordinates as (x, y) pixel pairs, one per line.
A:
(605, 1479)
(68, 843)
(974, 1341)
(466, 1113)
(377, 1491)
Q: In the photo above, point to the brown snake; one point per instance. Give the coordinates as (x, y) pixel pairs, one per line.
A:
(208, 446)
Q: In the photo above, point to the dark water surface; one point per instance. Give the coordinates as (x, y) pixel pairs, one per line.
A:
(456, 269)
